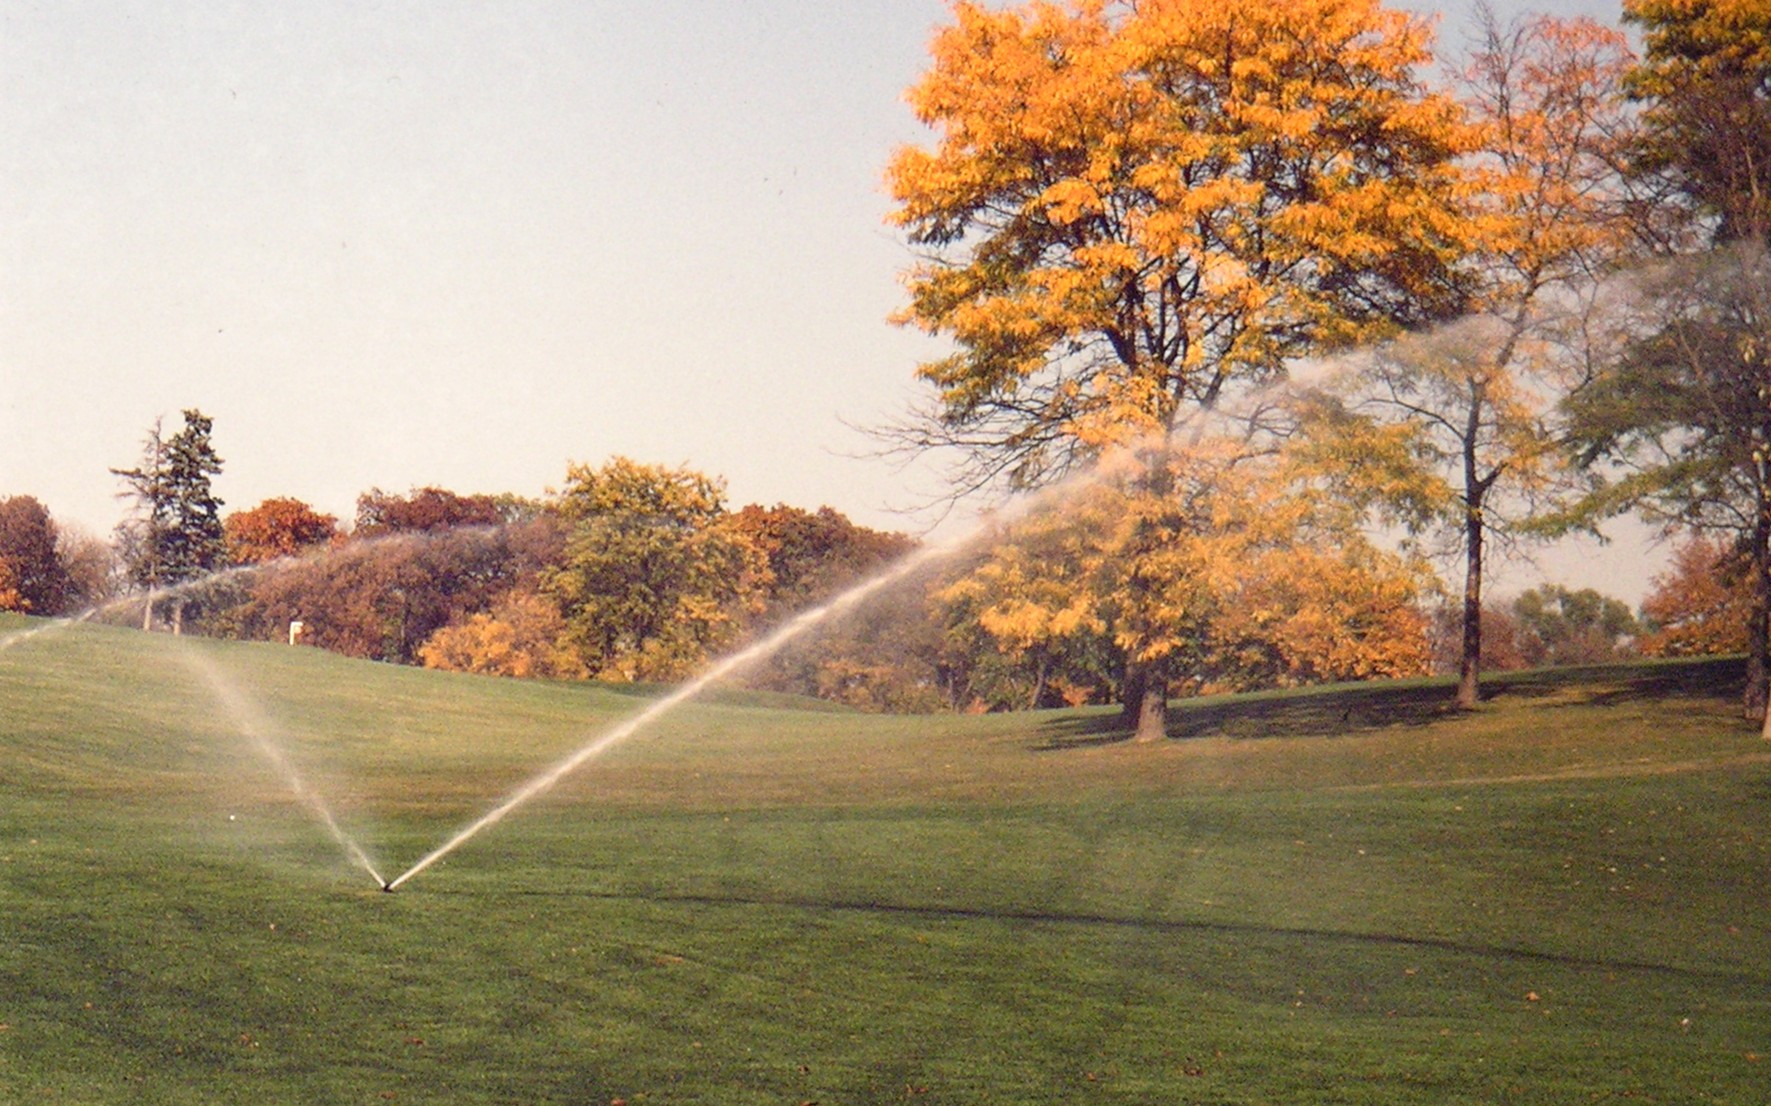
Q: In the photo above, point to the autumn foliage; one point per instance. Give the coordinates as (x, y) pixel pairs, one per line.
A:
(278, 527)
(520, 636)
(1243, 582)
(1701, 605)
(33, 577)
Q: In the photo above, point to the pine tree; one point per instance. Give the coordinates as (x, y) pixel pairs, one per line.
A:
(176, 534)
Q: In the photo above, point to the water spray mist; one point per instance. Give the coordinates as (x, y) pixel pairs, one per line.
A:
(255, 726)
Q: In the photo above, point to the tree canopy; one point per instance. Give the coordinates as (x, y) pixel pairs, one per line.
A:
(1131, 206)
(33, 577)
(176, 534)
(654, 576)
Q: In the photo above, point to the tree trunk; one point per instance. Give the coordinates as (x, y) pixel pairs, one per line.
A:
(1145, 701)
(147, 611)
(1040, 671)
(1758, 622)
(178, 618)
(1153, 712)
(1469, 670)
(1131, 694)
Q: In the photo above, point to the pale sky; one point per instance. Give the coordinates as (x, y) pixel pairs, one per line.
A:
(391, 244)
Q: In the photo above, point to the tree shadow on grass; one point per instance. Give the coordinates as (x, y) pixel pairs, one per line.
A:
(1347, 709)
(1326, 712)
(1719, 679)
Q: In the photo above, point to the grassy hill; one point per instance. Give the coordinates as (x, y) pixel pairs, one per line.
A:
(1347, 895)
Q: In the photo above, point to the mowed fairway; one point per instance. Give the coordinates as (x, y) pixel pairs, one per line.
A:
(1345, 896)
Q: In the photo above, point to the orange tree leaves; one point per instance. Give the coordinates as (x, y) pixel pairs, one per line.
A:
(1245, 581)
(519, 637)
(1129, 207)
(1706, 84)
(278, 527)
(1701, 604)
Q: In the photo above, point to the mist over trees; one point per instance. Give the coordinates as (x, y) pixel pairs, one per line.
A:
(1682, 404)
(1102, 278)
(1131, 210)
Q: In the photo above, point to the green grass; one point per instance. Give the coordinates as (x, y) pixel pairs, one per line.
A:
(1349, 895)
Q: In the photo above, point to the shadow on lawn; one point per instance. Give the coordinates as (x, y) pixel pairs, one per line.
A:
(1336, 711)
(1252, 929)
(1715, 679)
(1315, 713)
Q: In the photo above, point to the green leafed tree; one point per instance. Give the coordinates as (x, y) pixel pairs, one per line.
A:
(1565, 626)
(1684, 408)
(1683, 416)
(654, 576)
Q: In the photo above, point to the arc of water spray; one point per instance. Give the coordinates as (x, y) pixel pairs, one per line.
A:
(737, 661)
(17, 636)
(256, 727)
(626, 729)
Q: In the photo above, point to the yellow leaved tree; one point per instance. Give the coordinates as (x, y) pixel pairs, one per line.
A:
(1242, 578)
(1132, 209)
(1457, 429)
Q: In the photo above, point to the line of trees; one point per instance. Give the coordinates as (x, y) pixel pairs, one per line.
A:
(640, 572)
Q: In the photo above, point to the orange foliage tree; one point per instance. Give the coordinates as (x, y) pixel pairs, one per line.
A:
(1701, 605)
(11, 599)
(424, 510)
(1132, 207)
(278, 527)
(1253, 582)
(1458, 425)
(518, 637)
(814, 554)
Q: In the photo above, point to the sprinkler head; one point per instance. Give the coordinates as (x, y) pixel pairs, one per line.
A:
(388, 887)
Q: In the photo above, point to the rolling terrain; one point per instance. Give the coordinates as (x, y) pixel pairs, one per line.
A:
(1341, 895)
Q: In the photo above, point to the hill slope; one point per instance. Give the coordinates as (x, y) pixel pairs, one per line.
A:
(1345, 895)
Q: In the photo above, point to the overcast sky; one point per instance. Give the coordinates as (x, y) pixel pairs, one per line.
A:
(390, 244)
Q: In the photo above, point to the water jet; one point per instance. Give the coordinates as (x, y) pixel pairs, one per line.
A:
(254, 725)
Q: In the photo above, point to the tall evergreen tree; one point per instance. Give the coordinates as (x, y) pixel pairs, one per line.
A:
(176, 534)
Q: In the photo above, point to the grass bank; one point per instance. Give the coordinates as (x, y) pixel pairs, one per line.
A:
(1349, 895)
